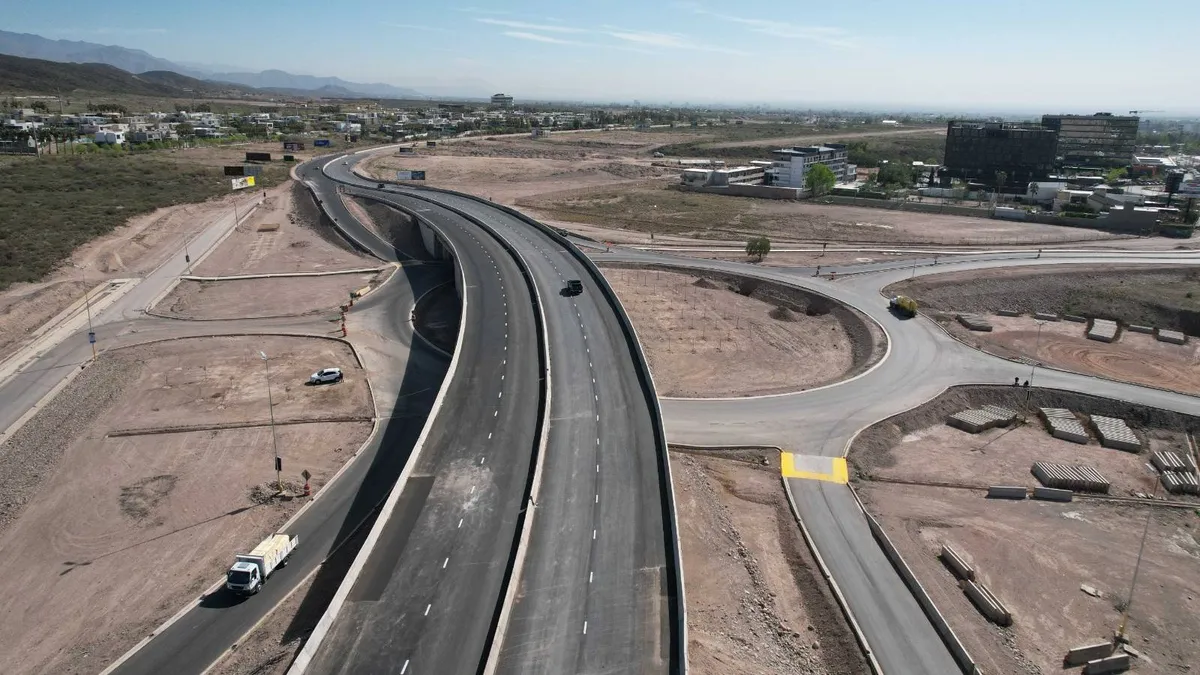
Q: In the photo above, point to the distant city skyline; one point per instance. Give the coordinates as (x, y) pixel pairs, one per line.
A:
(1020, 57)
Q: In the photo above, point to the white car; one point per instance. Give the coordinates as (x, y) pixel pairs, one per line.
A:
(325, 375)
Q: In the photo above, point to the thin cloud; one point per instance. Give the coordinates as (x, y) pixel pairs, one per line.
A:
(667, 41)
(414, 26)
(522, 25)
(834, 37)
(477, 10)
(534, 37)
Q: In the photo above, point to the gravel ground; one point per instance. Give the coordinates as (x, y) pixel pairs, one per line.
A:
(1164, 297)
(32, 454)
(756, 599)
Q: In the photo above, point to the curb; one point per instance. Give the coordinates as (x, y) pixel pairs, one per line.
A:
(285, 275)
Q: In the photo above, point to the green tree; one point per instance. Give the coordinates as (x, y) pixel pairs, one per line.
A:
(894, 174)
(819, 179)
(1116, 175)
(758, 246)
(1001, 179)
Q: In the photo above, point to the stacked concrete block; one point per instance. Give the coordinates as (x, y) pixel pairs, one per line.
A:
(1078, 478)
(959, 567)
(1062, 424)
(981, 419)
(1008, 312)
(1045, 316)
(974, 322)
(1172, 336)
(1114, 433)
(1177, 483)
(1102, 330)
(1007, 492)
(1141, 329)
(1169, 461)
(988, 604)
(1075, 317)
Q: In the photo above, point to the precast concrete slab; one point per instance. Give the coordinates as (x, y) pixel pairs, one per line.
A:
(1045, 316)
(976, 322)
(1103, 330)
(1173, 336)
(1115, 433)
(1070, 477)
(1063, 424)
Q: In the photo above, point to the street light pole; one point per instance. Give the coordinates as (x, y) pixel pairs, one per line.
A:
(87, 302)
(1036, 345)
(1137, 566)
(271, 408)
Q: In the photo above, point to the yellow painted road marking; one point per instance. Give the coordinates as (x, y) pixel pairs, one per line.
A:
(836, 468)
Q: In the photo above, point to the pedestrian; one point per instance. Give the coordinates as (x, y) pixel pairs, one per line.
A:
(818, 271)
(1016, 381)
(1026, 385)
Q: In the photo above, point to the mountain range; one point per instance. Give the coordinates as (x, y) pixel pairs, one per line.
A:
(31, 46)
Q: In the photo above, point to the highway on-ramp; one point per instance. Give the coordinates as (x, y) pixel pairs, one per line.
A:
(923, 361)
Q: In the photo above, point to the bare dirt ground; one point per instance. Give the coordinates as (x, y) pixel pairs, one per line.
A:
(1034, 556)
(813, 138)
(86, 509)
(1134, 357)
(1163, 297)
(133, 250)
(703, 339)
(258, 298)
(943, 454)
(280, 238)
(659, 208)
(756, 599)
(505, 179)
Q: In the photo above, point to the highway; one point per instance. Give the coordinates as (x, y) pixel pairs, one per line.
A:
(923, 361)
(594, 594)
(429, 588)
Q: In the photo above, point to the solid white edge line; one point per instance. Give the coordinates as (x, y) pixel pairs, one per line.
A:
(313, 643)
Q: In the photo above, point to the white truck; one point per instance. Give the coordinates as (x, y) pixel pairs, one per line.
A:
(250, 570)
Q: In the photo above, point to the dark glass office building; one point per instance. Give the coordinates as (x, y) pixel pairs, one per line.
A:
(1100, 140)
(977, 150)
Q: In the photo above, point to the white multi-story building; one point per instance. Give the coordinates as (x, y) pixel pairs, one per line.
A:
(791, 165)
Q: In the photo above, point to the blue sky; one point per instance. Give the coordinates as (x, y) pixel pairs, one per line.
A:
(1055, 55)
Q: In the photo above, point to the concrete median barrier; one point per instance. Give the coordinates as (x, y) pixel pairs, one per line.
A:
(1053, 494)
(1081, 655)
(1117, 663)
(957, 565)
(1007, 492)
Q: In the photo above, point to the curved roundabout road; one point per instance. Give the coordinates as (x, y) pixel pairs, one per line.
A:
(818, 425)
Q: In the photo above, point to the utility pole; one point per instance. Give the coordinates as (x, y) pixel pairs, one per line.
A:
(274, 438)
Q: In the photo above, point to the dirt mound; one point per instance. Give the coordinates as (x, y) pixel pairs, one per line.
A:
(781, 313)
(265, 493)
(705, 283)
(139, 500)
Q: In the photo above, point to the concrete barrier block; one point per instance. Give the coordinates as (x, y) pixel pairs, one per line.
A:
(1141, 329)
(987, 603)
(975, 322)
(1172, 336)
(1075, 318)
(1008, 312)
(1053, 494)
(1103, 331)
(1081, 655)
(1007, 492)
(957, 565)
(1045, 316)
(1117, 663)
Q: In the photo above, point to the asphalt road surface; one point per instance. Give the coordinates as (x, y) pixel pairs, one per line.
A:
(593, 593)
(922, 363)
(430, 587)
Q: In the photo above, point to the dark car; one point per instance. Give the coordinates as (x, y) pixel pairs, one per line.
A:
(574, 287)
